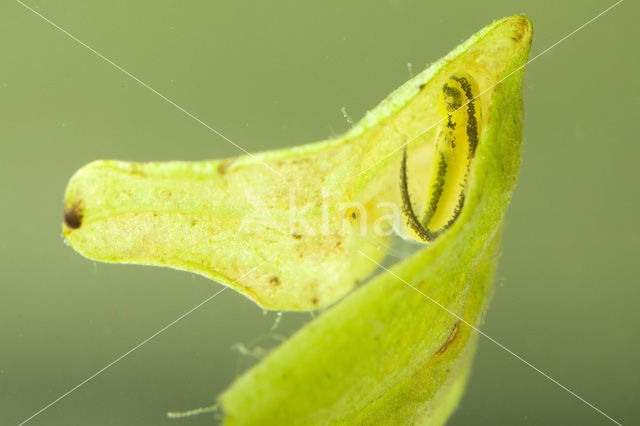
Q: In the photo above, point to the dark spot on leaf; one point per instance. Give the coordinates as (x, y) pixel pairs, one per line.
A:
(314, 301)
(73, 217)
(274, 280)
(517, 36)
(223, 167)
(450, 339)
(352, 213)
(422, 86)
(296, 236)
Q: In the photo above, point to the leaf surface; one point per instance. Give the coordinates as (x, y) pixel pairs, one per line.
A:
(398, 349)
(303, 214)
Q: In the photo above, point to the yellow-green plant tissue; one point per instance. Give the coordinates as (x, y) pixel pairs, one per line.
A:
(298, 229)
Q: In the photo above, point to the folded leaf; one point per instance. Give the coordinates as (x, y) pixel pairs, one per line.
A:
(387, 354)
(297, 229)
(305, 214)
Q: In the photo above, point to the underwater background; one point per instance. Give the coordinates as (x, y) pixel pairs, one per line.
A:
(277, 74)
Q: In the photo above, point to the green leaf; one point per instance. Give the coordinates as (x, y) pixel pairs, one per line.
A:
(435, 162)
(386, 354)
(287, 227)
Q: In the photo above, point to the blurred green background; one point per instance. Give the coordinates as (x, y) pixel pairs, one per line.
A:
(276, 74)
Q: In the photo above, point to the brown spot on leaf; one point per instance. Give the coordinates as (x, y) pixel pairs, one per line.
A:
(517, 35)
(223, 167)
(520, 29)
(274, 280)
(352, 213)
(314, 301)
(296, 236)
(450, 339)
(73, 217)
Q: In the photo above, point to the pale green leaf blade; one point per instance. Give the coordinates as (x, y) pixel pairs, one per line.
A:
(386, 354)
